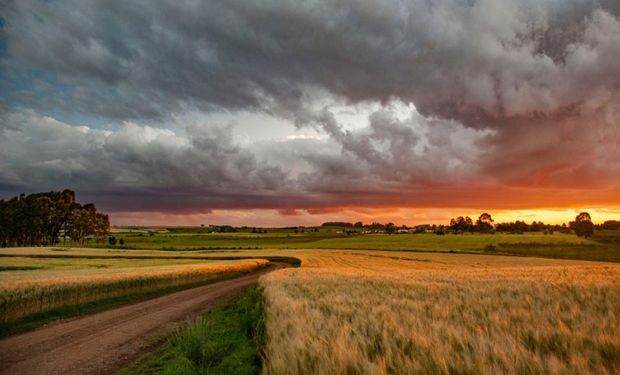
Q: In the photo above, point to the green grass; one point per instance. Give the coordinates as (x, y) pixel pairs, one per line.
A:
(433, 242)
(37, 320)
(227, 340)
(604, 246)
(228, 241)
(19, 268)
(334, 240)
(601, 253)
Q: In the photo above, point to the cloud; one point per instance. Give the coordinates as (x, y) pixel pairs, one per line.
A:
(410, 162)
(131, 162)
(468, 60)
(466, 102)
(290, 212)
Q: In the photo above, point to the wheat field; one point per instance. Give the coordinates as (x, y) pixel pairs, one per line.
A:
(368, 314)
(26, 292)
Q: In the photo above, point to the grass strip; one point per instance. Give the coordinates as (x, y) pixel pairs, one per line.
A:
(599, 253)
(19, 268)
(227, 340)
(36, 320)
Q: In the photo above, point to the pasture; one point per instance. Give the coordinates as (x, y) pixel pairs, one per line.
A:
(604, 246)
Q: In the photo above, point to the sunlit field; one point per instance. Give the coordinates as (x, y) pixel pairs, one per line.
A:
(442, 314)
(34, 285)
(87, 264)
(369, 311)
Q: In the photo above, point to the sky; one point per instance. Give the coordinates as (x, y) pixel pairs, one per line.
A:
(288, 112)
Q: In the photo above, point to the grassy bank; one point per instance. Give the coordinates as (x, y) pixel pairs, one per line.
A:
(227, 340)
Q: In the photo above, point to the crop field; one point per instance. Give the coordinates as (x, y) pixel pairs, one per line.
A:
(442, 314)
(32, 285)
(87, 264)
(604, 246)
(375, 311)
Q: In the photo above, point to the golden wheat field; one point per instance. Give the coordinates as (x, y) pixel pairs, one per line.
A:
(374, 313)
(26, 292)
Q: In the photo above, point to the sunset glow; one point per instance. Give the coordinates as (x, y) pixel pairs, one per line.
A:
(399, 216)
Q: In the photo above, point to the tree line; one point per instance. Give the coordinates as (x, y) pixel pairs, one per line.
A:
(582, 226)
(44, 219)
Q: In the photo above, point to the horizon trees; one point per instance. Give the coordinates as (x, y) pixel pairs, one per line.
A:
(42, 218)
(462, 224)
(484, 224)
(583, 225)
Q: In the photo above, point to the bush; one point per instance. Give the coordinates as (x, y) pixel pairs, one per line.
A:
(490, 248)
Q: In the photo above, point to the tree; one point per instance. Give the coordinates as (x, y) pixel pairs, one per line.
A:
(583, 225)
(43, 218)
(484, 224)
(461, 224)
(611, 225)
(85, 221)
(390, 228)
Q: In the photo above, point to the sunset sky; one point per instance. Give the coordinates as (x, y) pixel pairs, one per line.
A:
(298, 112)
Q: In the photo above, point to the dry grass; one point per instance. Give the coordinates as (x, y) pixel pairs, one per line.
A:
(26, 292)
(442, 315)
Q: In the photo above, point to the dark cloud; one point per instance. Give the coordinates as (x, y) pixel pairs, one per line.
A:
(465, 59)
(505, 95)
(152, 165)
(412, 161)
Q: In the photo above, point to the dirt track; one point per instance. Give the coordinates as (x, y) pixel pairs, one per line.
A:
(104, 342)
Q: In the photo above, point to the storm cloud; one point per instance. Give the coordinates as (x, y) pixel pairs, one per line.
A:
(458, 102)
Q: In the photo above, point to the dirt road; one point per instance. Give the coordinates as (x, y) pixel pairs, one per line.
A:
(104, 342)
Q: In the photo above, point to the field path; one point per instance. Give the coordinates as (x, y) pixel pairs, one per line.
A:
(104, 342)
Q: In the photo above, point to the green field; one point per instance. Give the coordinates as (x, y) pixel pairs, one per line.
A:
(604, 246)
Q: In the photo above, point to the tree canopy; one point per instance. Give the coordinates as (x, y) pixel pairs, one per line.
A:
(583, 225)
(41, 219)
(484, 224)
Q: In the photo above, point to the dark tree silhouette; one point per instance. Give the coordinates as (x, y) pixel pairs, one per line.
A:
(611, 224)
(582, 225)
(462, 224)
(41, 219)
(484, 224)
